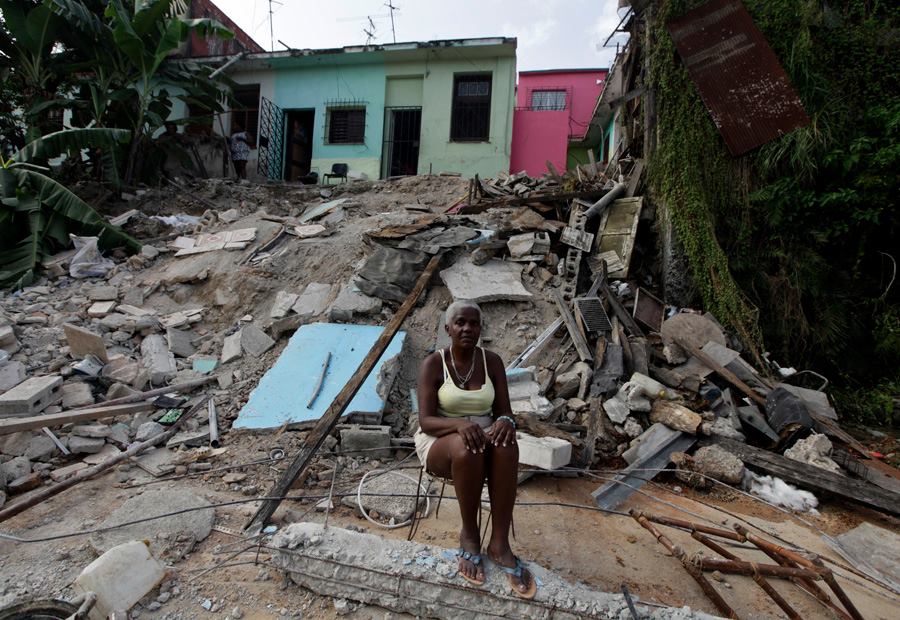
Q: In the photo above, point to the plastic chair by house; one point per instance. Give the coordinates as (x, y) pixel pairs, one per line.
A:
(338, 171)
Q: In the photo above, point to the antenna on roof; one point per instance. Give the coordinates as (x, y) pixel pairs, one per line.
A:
(392, 8)
(370, 32)
(271, 28)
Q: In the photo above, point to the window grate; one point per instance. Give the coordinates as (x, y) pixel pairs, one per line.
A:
(346, 125)
(548, 100)
(471, 113)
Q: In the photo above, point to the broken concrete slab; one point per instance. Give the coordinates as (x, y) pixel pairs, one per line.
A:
(83, 342)
(76, 394)
(15, 468)
(103, 293)
(8, 340)
(231, 347)
(282, 304)
(11, 374)
(422, 580)
(120, 578)
(282, 393)
(255, 341)
(100, 309)
(312, 301)
(676, 416)
(181, 342)
(85, 445)
(370, 440)
(147, 430)
(710, 462)
(31, 396)
(814, 450)
(493, 281)
(528, 244)
(695, 330)
(158, 359)
(352, 302)
(390, 273)
(168, 538)
(41, 448)
(157, 461)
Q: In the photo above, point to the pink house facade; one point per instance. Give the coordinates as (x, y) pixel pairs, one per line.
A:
(553, 109)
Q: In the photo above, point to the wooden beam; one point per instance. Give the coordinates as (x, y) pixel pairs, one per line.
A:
(814, 478)
(14, 425)
(618, 309)
(331, 416)
(581, 345)
(524, 200)
(47, 492)
(723, 372)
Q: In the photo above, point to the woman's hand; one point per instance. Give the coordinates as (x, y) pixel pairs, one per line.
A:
(502, 433)
(473, 436)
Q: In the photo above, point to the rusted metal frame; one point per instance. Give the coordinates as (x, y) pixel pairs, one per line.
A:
(813, 564)
(687, 525)
(708, 589)
(759, 579)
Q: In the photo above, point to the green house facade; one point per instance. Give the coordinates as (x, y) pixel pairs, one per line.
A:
(387, 110)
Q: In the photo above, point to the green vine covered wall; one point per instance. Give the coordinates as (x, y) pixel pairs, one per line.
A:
(792, 245)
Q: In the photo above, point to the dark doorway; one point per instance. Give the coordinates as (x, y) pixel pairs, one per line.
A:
(299, 141)
(401, 141)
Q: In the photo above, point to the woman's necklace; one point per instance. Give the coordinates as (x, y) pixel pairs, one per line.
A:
(462, 380)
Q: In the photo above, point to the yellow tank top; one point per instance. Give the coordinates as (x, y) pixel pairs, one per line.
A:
(454, 402)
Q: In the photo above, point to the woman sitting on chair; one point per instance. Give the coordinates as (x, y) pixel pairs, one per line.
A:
(466, 433)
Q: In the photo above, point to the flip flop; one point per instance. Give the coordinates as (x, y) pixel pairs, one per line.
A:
(516, 572)
(474, 558)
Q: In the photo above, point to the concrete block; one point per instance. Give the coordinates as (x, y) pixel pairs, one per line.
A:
(543, 452)
(371, 441)
(100, 309)
(41, 448)
(11, 375)
(103, 293)
(8, 341)
(158, 359)
(313, 301)
(31, 396)
(180, 342)
(83, 342)
(96, 431)
(76, 394)
(283, 303)
(85, 445)
(15, 444)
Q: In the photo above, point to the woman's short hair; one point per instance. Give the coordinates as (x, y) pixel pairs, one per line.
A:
(454, 308)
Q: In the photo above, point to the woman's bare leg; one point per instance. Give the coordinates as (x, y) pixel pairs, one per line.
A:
(449, 458)
(502, 472)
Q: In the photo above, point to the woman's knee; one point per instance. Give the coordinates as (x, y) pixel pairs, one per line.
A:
(461, 455)
(509, 452)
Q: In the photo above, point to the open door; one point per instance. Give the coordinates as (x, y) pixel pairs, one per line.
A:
(400, 155)
(271, 141)
(298, 150)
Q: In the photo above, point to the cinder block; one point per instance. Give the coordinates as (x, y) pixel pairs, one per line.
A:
(543, 452)
(369, 441)
(31, 396)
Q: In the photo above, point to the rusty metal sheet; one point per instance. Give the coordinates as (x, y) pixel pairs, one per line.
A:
(738, 75)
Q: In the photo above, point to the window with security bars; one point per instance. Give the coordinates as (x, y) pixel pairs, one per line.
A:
(346, 126)
(548, 100)
(470, 119)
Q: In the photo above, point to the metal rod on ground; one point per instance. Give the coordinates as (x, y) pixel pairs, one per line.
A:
(791, 556)
(55, 440)
(133, 398)
(759, 579)
(320, 381)
(723, 607)
(687, 525)
(213, 424)
(628, 599)
(48, 492)
(331, 416)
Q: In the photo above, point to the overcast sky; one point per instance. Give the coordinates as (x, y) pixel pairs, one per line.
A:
(551, 33)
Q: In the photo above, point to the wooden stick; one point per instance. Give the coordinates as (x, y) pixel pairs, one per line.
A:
(320, 381)
(331, 416)
(14, 425)
(48, 492)
(723, 372)
(581, 346)
(133, 398)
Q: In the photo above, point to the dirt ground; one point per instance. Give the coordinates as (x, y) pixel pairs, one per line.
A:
(224, 571)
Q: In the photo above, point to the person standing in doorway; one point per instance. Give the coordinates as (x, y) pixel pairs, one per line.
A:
(240, 144)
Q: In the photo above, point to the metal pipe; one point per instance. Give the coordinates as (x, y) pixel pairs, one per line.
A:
(828, 576)
(597, 208)
(213, 424)
(230, 62)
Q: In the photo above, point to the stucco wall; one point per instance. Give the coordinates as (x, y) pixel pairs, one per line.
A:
(539, 136)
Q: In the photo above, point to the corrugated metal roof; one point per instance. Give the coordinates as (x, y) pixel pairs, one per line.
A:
(738, 75)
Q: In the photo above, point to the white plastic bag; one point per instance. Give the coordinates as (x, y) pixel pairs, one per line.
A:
(88, 262)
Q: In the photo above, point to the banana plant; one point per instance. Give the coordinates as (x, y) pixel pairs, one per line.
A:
(37, 213)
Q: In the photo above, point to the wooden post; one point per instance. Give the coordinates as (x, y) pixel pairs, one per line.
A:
(581, 346)
(331, 416)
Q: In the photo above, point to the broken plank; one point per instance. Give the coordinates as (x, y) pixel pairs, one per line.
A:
(581, 345)
(618, 309)
(14, 425)
(723, 372)
(814, 478)
(331, 416)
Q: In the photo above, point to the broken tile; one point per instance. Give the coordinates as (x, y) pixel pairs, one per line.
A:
(493, 281)
(100, 309)
(313, 301)
(282, 304)
(83, 342)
